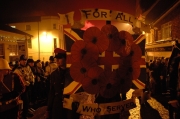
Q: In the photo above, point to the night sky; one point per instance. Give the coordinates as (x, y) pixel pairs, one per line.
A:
(26, 8)
(18, 8)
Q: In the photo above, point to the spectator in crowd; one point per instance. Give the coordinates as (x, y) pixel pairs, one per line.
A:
(48, 70)
(55, 108)
(156, 68)
(32, 86)
(9, 92)
(28, 78)
(41, 81)
(16, 65)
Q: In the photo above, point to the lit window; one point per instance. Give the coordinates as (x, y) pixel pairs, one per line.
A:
(54, 26)
(166, 30)
(28, 27)
(29, 43)
(30, 57)
(13, 50)
(1, 50)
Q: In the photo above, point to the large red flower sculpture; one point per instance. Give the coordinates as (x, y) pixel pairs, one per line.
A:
(125, 82)
(126, 40)
(82, 50)
(95, 80)
(85, 57)
(78, 70)
(110, 90)
(136, 52)
(112, 34)
(136, 70)
(95, 36)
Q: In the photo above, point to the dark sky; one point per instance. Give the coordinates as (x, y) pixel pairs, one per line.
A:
(16, 8)
(25, 8)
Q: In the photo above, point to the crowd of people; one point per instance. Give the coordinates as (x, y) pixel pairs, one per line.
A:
(31, 81)
(163, 78)
(157, 76)
(35, 76)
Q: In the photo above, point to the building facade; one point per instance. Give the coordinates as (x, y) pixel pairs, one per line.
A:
(13, 43)
(163, 34)
(47, 35)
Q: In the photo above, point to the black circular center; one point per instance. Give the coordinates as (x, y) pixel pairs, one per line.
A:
(110, 36)
(122, 81)
(83, 51)
(130, 69)
(123, 41)
(94, 81)
(108, 86)
(94, 40)
(83, 70)
(131, 53)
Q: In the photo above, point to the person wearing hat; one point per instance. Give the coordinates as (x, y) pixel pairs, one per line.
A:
(28, 78)
(59, 79)
(51, 66)
(48, 70)
(11, 87)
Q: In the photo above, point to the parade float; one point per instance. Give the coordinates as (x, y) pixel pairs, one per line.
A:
(106, 63)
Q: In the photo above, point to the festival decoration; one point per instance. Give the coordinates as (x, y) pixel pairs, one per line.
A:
(78, 70)
(95, 36)
(94, 81)
(112, 34)
(136, 52)
(126, 41)
(107, 82)
(81, 50)
(136, 69)
(110, 90)
(125, 80)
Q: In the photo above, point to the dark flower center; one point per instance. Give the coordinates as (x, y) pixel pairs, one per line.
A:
(130, 69)
(83, 51)
(108, 86)
(94, 81)
(131, 53)
(123, 41)
(122, 81)
(110, 36)
(83, 70)
(94, 40)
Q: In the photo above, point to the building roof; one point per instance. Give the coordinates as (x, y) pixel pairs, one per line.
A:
(13, 30)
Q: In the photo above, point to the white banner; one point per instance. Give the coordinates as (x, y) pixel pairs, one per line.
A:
(67, 18)
(103, 14)
(102, 109)
(98, 14)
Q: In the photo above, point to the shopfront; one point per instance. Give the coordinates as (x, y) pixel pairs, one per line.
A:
(158, 50)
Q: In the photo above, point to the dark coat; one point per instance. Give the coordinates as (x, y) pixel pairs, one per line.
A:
(55, 100)
(10, 89)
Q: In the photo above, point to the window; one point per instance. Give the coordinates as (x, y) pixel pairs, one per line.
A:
(1, 50)
(13, 50)
(29, 43)
(30, 57)
(166, 30)
(28, 27)
(54, 26)
(55, 43)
